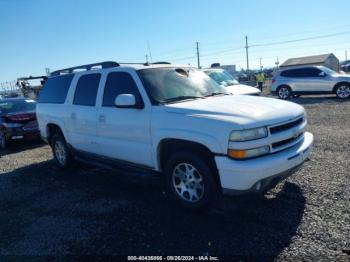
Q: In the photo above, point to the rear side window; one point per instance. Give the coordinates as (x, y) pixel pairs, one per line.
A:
(55, 89)
(119, 83)
(302, 72)
(86, 90)
(290, 73)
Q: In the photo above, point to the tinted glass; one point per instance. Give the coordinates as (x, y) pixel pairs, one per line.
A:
(302, 72)
(222, 77)
(310, 72)
(8, 106)
(86, 90)
(119, 83)
(55, 89)
(169, 84)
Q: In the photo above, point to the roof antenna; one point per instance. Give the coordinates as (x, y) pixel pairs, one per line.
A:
(149, 51)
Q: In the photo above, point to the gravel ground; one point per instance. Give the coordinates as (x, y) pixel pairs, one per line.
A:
(91, 211)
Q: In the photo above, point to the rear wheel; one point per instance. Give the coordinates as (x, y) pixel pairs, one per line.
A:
(61, 151)
(343, 91)
(2, 140)
(190, 180)
(284, 92)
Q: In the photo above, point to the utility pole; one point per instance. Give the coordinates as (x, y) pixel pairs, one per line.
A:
(277, 62)
(198, 61)
(47, 71)
(346, 55)
(146, 59)
(261, 67)
(246, 49)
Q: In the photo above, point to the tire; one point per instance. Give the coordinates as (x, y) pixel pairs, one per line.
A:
(343, 91)
(284, 92)
(61, 152)
(190, 181)
(2, 140)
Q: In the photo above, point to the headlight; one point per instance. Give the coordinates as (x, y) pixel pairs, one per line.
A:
(248, 134)
(248, 153)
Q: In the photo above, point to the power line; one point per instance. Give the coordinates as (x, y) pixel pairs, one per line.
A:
(301, 39)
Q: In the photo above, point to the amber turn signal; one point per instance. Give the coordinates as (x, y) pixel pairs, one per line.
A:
(237, 153)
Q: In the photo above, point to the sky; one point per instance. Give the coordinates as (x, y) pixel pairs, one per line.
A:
(39, 34)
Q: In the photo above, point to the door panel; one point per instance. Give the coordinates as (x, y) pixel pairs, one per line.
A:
(82, 118)
(83, 128)
(124, 133)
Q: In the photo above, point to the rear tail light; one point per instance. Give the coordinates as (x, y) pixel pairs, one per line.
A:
(273, 81)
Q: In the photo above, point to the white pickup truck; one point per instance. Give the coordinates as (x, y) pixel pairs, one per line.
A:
(173, 121)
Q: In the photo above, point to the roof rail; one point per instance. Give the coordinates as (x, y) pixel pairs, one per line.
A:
(87, 67)
(161, 63)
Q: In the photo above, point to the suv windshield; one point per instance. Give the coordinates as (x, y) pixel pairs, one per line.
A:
(222, 77)
(8, 107)
(166, 85)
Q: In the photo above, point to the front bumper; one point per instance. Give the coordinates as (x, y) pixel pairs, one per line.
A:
(261, 174)
(20, 133)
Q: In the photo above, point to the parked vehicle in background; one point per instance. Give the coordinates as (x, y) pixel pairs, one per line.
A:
(223, 78)
(345, 66)
(306, 80)
(175, 122)
(17, 120)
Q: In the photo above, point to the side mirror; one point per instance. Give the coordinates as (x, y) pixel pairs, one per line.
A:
(322, 74)
(125, 101)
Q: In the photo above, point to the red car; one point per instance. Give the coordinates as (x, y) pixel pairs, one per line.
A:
(17, 120)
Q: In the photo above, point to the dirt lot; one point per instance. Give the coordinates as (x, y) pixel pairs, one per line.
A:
(90, 211)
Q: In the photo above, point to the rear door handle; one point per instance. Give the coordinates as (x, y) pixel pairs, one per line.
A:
(102, 118)
(73, 116)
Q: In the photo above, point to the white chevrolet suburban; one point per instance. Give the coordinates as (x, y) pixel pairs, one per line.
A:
(172, 121)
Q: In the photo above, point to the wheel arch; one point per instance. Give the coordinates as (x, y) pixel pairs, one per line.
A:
(167, 146)
(51, 129)
(284, 85)
(340, 83)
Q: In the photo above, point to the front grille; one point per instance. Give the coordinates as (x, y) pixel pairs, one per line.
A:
(283, 127)
(286, 141)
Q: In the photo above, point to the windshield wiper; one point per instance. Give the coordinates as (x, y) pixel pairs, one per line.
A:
(216, 94)
(180, 98)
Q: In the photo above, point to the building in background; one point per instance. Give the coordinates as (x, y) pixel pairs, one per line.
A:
(328, 60)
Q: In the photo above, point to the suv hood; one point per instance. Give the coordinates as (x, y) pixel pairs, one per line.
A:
(242, 90)
(246, 111)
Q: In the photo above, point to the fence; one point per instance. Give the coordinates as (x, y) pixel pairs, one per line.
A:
(9, 87)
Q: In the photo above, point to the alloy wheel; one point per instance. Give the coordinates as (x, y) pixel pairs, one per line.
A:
(284, 92)
(188, 182)
(343, 91)
(60, 152)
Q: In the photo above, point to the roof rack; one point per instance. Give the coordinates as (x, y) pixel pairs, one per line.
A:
(161, 63)
(107, 64)
(31, 78)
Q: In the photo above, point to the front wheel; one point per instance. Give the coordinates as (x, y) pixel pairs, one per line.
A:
(284, 92)
(343, 91)
(190, 180)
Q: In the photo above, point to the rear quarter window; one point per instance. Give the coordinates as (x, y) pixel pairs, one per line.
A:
(55, 89)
